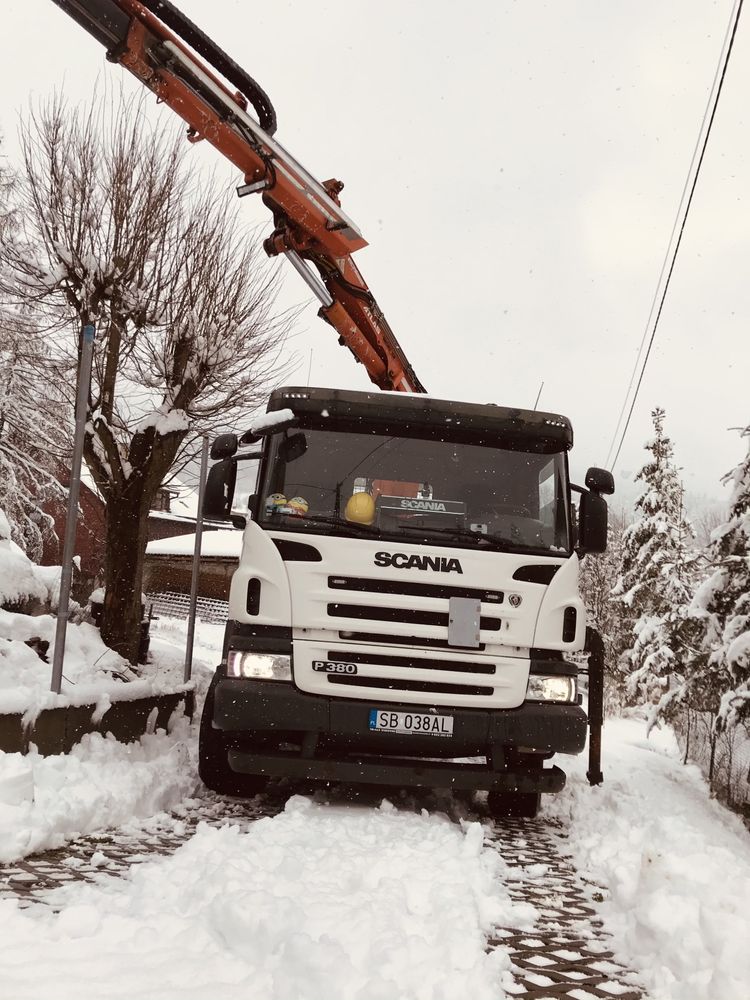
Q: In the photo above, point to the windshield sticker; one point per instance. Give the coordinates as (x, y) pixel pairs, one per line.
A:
(422, 505)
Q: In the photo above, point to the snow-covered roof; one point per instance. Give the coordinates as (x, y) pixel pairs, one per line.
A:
(221, 544)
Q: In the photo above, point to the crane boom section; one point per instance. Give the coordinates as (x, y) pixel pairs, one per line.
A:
(309, 224)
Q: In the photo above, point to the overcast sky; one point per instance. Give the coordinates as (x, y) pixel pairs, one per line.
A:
(516, 169)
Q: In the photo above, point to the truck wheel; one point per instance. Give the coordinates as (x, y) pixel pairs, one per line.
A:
(519, 804)
(213, 766)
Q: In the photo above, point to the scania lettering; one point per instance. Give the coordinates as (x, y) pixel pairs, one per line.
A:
(402, 560)
(374, 636)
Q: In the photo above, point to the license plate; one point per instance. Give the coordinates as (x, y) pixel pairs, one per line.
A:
(413, 723)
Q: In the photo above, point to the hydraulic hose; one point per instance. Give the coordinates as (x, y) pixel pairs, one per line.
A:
(190, 33)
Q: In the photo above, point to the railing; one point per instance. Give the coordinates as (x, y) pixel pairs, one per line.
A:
(174, 605)
(724, 758)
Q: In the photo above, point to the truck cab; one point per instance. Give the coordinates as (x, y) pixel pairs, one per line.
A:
(406, 602)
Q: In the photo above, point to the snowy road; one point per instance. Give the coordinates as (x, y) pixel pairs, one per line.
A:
(327, 899)
(300, 897)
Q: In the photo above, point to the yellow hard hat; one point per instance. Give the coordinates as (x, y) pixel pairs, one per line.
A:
(360, 508)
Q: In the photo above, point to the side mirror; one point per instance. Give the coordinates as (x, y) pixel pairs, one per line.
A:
(224, 446)
(592, 523)
(600, 481)
(219, 493)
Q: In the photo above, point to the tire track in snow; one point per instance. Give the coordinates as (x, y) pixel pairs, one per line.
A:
(566, 955)
(113, 852)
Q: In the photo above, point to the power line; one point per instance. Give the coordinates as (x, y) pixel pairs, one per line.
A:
(670, 243)
(712, 105)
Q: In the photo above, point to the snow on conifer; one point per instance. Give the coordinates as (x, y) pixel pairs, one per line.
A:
(654, 586)
(720, 666)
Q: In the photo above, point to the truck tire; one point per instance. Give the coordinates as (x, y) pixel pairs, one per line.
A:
(523, 805)
(213, 766)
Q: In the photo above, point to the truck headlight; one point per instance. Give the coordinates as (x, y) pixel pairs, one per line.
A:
(259, 666)
(555, 688)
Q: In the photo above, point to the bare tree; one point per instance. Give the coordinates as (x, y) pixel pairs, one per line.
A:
(115, 235)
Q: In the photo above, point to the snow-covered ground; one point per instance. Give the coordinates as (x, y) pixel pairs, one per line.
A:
(92, 673)
(319, 902)
(46, 801)
(676, 865)
(331, 900)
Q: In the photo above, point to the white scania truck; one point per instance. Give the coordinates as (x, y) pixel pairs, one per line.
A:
(407, 590)
(405, 599)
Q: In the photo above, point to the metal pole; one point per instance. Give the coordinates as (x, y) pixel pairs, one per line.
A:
(311, 279)
(196, 563)
(66, 577)
(536, 401)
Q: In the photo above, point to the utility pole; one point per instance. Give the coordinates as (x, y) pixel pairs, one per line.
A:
(196, 564)
(66, 577)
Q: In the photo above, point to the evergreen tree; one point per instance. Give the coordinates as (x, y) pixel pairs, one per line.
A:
(654, 581)
(719, 669)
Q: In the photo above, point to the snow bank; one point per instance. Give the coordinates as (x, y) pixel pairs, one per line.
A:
(19, 579)
(319, 902)
(92, 673)
(676, 864)
(46, 801)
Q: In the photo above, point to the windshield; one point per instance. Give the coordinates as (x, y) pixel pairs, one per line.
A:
(392, 487)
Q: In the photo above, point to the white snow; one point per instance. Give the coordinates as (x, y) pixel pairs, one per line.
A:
(675, 865)
(164, 420)
(357, 902)
(47, 801)
(319, 902)
(19, 580)
(92, 673)
(213, 543)
(267, 421)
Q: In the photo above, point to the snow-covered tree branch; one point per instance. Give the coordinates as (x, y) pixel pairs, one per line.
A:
(113, 232)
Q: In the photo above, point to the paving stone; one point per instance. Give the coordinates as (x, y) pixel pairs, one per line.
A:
(566, 954)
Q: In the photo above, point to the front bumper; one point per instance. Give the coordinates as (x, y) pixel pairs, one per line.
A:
(271, 728)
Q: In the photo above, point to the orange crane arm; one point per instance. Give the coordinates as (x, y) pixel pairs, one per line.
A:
(186, 70)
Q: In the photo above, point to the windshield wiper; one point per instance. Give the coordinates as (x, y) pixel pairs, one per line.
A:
(447, 533)
(495, 542)
(334, 522)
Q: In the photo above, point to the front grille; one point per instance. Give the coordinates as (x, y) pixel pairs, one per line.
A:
(410, 589)
(428, 687)
(413, 662)
(405, 615)
(403, 640)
